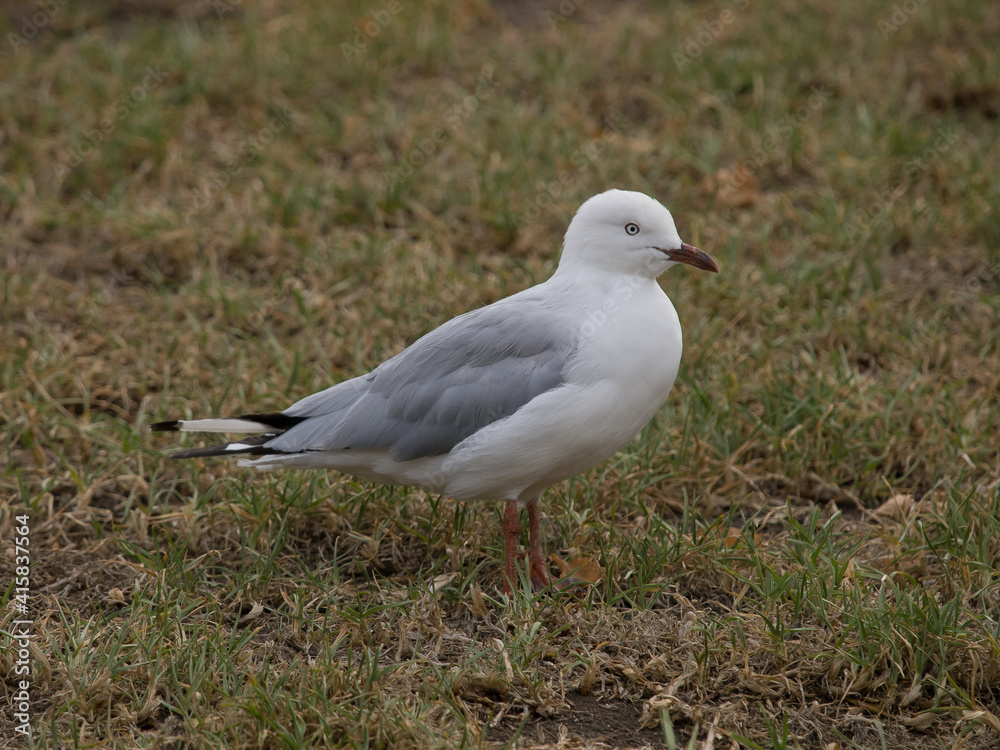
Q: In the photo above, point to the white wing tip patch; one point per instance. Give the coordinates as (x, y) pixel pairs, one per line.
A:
(245, 426)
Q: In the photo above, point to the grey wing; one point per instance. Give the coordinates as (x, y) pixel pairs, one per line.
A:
(472, 371)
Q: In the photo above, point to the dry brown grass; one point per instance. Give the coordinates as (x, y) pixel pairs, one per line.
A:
(839, 364)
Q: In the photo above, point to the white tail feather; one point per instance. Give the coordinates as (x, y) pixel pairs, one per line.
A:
(245, 426)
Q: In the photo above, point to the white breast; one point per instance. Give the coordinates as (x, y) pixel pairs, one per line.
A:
(630, 349)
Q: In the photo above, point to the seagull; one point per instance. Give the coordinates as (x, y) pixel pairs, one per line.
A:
(503, 402)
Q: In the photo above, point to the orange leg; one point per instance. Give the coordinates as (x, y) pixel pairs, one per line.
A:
(536, 558)
(511, 539)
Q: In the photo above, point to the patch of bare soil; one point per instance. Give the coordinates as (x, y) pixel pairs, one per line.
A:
(612, 722)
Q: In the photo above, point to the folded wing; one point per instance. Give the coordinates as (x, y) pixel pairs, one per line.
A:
(472, 371)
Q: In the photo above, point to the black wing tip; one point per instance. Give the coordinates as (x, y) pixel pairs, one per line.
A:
(211, 450)
(208, 450)
(251, 446)
(171, 425)
(276, 419)
(182, 454)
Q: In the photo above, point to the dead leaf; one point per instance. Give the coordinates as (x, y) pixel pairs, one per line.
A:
(732, 537)
(588, 678)
(812, 486)
(578, 569)
(255, 611)
(923, 720)
(912, 694)
(478, 603)
(897, 507)
(483, 683)
(982, 716)
(688, 622)
(441, 581)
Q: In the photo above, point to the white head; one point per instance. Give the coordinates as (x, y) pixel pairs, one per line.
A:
(620, 231)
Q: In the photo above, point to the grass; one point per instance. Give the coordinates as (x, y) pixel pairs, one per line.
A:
(207, 208)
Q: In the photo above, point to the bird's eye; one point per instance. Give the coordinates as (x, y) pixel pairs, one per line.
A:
(632, 228)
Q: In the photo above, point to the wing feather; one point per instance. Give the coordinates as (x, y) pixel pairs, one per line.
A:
(472, 371)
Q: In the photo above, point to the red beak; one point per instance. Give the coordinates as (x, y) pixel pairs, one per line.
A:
(693, 257)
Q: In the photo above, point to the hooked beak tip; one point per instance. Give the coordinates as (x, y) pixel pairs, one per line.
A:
(692, 256)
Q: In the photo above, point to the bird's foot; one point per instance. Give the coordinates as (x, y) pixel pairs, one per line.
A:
(538, 571)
